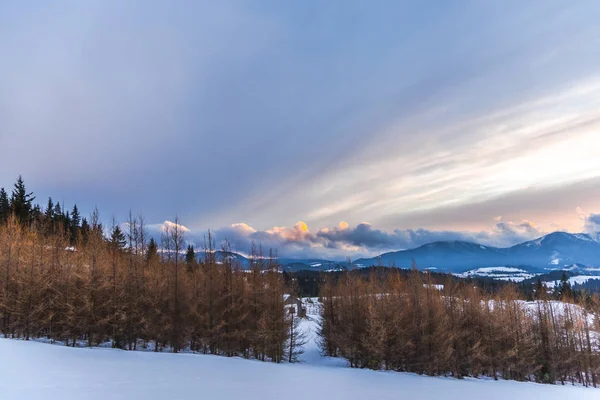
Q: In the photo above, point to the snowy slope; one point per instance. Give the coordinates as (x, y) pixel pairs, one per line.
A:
(33, 370)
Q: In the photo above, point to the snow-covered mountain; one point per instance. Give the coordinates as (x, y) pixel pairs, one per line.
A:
(558, 250)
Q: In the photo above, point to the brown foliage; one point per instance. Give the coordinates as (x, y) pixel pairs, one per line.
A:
(101, 292)
(411, 325)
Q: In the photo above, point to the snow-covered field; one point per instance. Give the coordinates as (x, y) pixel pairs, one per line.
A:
(574, 280)
(33, 370)
(500, 273)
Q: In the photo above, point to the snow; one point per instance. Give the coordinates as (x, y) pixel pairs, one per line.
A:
(512, 278)
(437, 287)
(584, 237)
(497, 269)
(34, 370)
(499, 273)
(537, 242)
(579, 279)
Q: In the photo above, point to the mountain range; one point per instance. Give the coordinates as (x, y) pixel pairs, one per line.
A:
(558, 250)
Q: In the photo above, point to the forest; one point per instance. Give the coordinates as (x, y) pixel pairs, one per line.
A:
(68, 279)
(405, 322)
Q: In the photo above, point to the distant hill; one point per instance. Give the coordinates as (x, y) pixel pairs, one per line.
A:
(558, 250)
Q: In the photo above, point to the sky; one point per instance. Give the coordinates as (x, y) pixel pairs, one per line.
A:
(323, 129)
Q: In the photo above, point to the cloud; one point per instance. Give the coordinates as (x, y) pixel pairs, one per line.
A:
(361, 240)
(592, 223)
(508, 232)
(364, 236)
(167, 226)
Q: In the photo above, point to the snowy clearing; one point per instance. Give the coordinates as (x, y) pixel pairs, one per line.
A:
(32, 370)
(499, 273)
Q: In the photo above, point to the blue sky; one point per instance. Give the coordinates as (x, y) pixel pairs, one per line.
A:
(428, 120)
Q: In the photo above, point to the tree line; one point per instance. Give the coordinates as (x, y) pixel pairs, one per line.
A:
(53, 218)
(407, 323)
(76, 282)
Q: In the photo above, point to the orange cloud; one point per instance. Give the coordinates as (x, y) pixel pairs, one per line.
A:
(301, 226)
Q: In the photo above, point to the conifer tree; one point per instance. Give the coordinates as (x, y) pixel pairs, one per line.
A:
(21, 201)
(49, 216)
(117, 237)
(4, 206)
(85, 230)
(152, 251)
(58, 217)
(67, 224)
(49, 211)
(540, 291)
(36, 214)
(190, 257)
(564, 288)
(75, 222)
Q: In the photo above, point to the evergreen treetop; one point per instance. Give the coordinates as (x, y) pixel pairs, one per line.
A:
(117, 238)
(4, 205)
(49, 212)
(190, 256)
(152, 251)
(21, 201)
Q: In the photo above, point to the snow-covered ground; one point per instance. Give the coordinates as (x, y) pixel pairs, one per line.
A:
(574, 280)
(34, 370)
(500, 273)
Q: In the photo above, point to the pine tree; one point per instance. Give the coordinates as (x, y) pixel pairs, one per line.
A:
(36, 214)
(49, 212)
(49, 216)
(152, 251)
(190, 257)
(539, 290)
(75, 223)
(57, 216)
(565, 290)
(85, 230)
(20, 201)
(4, 206)
(117, 238)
